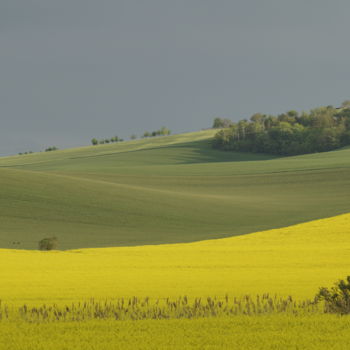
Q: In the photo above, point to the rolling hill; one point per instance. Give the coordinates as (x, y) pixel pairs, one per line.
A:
(163, 190)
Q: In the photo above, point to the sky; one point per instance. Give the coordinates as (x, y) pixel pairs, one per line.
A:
(71, 70)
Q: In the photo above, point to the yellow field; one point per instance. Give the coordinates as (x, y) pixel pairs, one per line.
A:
(271, 332)
(295, 260)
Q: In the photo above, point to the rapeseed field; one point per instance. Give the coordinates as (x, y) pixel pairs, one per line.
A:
(294, 260)
(47, 296)
(277, 332)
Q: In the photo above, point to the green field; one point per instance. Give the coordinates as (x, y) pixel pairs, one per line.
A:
(163, 190)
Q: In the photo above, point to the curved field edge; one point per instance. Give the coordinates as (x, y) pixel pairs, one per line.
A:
(295, 261)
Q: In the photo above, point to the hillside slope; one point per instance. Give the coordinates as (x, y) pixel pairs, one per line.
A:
(163, 190)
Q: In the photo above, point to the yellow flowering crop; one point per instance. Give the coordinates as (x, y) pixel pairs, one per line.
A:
(295, 260)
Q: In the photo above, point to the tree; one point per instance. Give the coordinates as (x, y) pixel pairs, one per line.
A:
(133, 137)
(346, 104)
(94, 142)
(146, 134)
(221, 123)
(50, 149)
(164, 131)
(320, 130)
(257, 118)
(48, 243)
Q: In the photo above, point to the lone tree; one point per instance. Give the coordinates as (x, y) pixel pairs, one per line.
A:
(94, 141)
(50, 243)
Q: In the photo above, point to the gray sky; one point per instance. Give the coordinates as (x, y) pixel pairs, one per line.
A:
(75, 69)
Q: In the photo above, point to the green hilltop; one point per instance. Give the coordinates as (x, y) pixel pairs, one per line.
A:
(163, 190)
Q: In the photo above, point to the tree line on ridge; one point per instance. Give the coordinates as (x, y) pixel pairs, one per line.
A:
(291, 133)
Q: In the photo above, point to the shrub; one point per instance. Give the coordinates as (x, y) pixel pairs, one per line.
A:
(50, 149)
(114, 139)
(48, 243)
(337, 298)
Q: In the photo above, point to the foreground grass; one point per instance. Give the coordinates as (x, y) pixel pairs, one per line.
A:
(295, 260)
(310, 332)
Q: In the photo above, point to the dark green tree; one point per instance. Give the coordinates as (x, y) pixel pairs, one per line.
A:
(50, 243)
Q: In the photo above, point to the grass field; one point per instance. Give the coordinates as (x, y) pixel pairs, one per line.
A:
(163, 190)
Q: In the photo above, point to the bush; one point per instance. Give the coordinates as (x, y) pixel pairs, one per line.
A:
(337, 298)
(50, 149)
(48, 243)
(94, 141)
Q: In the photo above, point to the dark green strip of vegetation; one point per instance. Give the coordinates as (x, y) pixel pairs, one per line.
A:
(292, 133)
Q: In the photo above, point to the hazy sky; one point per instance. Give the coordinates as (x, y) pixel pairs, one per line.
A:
(71, 70)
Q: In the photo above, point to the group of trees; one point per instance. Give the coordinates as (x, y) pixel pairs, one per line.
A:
(95, 142)
(50, 149)
(320, 129)
(163, 131)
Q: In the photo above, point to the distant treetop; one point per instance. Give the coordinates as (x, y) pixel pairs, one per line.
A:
(50, 149)
(163, 131)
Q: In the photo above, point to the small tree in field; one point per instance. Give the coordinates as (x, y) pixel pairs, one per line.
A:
(50, 149)
(164, 131)
(94, 141)
(50, 243)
